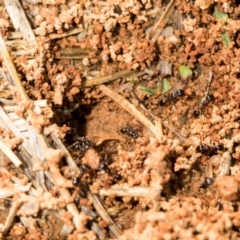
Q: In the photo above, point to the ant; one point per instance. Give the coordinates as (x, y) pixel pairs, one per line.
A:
(130, 132)
(84, 169)
(80, 144)
(209, 98)
(208, 150)
(173, 97)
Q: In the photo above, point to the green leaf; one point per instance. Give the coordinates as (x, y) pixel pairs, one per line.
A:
(147, 90)
(165, 85)
(185, 71)
(220, 15)
(226, 39)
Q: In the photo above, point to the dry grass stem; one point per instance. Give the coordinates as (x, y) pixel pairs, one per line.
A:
(12, 213)
(103, 214)
(15, 35)
(15, 130)
(19, 19)
(76, 51)
(12, 70)
(225, 163)
(113, 211)
(209, 79)
(33, 140)
(66, 34)
(71, 163)
(157, 29)
(99, 232)
(72, 57)
(131, 192)
(71, 207)
(131, 109)
(105, 79)
(28, 222)
(174, 132)
(7, 102)
(40, 180)
(158, 126)
(26, 158)
(10, 154)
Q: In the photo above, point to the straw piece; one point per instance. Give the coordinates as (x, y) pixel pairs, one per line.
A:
(75, 51)
(157, 29)
(41, 103)
(15, 35)
(108, 78)
(131, 109)
(15, 206)
(69, 159)
(131, 192)
(7, 101)
(66, 34)
(28, 222)
(225, 163)
(12, 70)
(15, 130)
(19, 19)
(10, 154)
(72, 57)
(103, 213)
(71, 207)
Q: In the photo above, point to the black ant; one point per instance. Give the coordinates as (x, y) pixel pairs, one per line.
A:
(130, 132)
(83, 170)
(209, 98)
(208, 150)
(173, 97)
(81, 144)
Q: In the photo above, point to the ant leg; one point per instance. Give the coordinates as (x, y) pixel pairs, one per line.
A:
(73, 145)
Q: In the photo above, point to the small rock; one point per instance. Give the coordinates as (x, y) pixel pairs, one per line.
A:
(91, 158)
(227, 188)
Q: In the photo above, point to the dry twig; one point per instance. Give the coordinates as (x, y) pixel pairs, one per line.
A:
(15, 206)
(69, 158)
(103, 213)
(132, 110)
(19, 19)
(157, 29)
(15, 130)
(66, 34)
(108, 78)
(149, 192)
(11, 69)
(10, 154)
